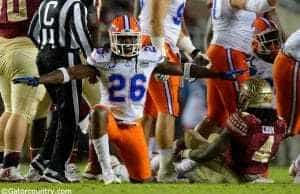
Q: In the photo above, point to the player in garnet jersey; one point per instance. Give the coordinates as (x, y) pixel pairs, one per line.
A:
(251, 137)
(17, 58)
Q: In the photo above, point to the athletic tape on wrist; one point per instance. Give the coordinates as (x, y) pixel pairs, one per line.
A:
(187, 71)
(65, 74)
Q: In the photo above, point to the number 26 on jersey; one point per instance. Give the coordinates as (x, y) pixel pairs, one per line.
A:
(121, 88)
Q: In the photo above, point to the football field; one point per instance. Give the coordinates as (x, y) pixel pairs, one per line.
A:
(283, 185)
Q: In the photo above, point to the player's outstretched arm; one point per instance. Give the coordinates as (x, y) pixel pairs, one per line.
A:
(190, 70)
(61, 75)
(185, 43)
(159, 9)
(216, 148)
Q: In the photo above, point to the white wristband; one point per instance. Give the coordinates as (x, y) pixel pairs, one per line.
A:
(187, 70)
(258, 6)
(185, 43)
(65, 74)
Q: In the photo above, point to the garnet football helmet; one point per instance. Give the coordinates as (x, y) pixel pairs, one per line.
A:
(267, 39)
(125, 36)
(255, 93)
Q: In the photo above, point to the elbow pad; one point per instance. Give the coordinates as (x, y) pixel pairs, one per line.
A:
(258, 6)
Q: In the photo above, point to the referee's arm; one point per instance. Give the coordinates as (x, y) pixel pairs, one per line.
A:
(80, 29)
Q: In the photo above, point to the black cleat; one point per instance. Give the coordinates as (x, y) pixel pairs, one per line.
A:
(53, 176)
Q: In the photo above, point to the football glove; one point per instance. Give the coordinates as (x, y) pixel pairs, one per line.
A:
(232, 74)
(30, 81)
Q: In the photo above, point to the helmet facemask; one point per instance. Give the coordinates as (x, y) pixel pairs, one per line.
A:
(267, 44)
(125, 44)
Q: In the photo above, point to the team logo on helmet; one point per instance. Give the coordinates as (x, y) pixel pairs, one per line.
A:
(255, 93)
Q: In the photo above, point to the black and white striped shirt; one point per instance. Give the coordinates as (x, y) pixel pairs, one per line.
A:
(61, 24)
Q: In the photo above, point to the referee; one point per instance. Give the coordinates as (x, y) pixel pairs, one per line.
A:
(59, 29)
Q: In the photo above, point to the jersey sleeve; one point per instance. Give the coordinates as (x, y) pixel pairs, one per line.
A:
(221, 9)
(292, 46)
(149, 54)
(99, 56)
(242, 124)
(237, 125)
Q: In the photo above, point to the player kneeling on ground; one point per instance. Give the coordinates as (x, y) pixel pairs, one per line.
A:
(251, 137)
(124, 71)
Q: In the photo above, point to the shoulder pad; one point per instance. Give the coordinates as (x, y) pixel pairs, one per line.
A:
(149, 54)
(292, 46)
(236, 124)
(99, 55)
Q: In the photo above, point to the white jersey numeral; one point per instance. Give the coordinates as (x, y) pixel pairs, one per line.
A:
(16, 11)
(264, 153)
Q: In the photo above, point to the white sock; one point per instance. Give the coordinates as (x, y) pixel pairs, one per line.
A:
(152, 146)
(185, 165)
(101, 146)
(155, 163)
(297, 162)
(165, 158)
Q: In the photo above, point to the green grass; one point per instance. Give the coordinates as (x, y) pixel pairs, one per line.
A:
(283, 185)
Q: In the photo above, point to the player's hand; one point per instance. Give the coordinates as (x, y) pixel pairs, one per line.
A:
(93, 78)
(232, 74)
(200, 58)
(30, 81)
(178, 146)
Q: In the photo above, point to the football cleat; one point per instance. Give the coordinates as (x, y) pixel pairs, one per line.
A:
(11, 174)
(53, 176)
(36, 169)
(168, 175)
(292, 169)
(121, 173)
(72, 173)
(294, 172)
(33, 175)
(110, 178)
(263, 180)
